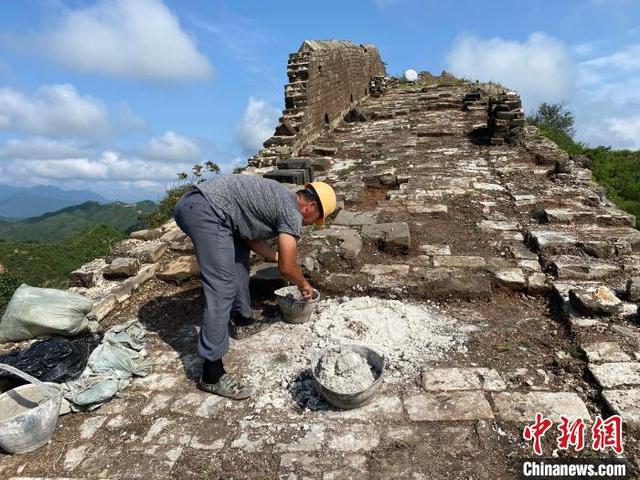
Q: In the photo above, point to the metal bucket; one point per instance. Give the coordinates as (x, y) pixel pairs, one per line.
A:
(295, 310)
(348, 401)
(28, 414)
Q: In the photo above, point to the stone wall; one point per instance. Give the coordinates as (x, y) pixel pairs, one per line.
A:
(326, 78)
(506, 118)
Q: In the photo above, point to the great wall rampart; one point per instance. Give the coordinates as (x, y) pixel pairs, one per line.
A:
(326, 79)
(446, 199)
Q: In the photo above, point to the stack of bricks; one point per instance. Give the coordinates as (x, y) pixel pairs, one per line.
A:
(326, 79)
(379, 84)
(474, 101)
(505, 119)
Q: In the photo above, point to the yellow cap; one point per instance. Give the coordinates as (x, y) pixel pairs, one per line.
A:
(327, 198)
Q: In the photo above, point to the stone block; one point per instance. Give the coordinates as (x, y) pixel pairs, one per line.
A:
(385, 269)
(530, 265)
(616, 374)
(81, 278)
(390, 237)
(458, 261)
(122, 292)
(150, 234)
(441, 283)
(380, 180)
(322, 150)
(145, 274)
(296, 177)
(351, 219)
(435, 249)
(121, 267)
(625, 403)
(490, 187)
(596, 301)
(149, 252)
(184, 245)
(512, 278)
(180, 269)
(427, 209)
(544, 239)
(173, 236)
(469, 378)
(320, 164)
(350, 241)
(298, 164)
(581, 268)
(537, 283)
(104, 307)
(497, 225)
(354, 439)
(522, 407)
(567, 215)
(448, 406)
(605, 352)
(633, 289)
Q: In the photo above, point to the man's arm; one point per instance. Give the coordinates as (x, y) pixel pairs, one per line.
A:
(288, 264)
(264, 249)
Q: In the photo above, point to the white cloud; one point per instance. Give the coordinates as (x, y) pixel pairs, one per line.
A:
(110, 165)
(129, 120)
(626, 59)
(608, 100)
(37, 148)
(627, 129)
(257, 124)
(53, 110)
(172, 147)
(540, 69)
(139, 39)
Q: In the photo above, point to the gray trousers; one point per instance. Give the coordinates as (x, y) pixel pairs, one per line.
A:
(224, 270)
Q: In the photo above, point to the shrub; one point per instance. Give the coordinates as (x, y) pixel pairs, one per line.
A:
(165, 209)
(554, 115)
(8, 284)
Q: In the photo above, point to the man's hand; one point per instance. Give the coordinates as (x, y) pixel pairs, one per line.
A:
(306, 291)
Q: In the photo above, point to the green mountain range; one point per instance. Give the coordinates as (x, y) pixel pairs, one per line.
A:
(57, 226)
(24, 202)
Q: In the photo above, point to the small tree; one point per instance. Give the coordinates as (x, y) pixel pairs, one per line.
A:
(554, 115)
(165, 208)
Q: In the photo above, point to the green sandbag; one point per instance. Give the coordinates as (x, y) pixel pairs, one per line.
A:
(33, 312)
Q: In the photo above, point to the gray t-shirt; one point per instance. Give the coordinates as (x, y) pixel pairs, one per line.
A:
(258, 208)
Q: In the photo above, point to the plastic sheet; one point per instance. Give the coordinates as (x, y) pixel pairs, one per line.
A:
(53, 360)
(34, 312)
(110, 367)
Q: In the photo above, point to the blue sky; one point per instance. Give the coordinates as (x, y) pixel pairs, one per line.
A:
(120, 95)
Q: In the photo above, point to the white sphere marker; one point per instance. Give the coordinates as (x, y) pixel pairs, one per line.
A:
(410, 75)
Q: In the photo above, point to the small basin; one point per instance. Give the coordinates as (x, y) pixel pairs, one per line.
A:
(293, 308)
(351, 400)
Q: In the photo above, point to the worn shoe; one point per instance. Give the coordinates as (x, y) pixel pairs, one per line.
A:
(228, 386)
(241, 327)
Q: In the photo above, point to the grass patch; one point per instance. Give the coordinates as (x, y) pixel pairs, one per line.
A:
(618, 171)
(49, 265)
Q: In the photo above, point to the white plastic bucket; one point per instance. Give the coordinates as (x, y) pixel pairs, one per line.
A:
(28, 414)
